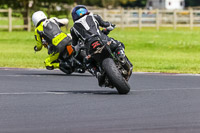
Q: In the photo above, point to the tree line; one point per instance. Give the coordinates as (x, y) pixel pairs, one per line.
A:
(56, 6)
(38, 4)
(101, 3)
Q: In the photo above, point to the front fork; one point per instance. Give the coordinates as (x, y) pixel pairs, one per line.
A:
(125, 66)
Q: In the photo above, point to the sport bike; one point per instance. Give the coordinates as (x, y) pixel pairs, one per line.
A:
(115, 70)
(70, 61)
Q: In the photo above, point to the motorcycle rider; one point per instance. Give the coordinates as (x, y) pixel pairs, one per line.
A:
(49, 35)
(86, 26)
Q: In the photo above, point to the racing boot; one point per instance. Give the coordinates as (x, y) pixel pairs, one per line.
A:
(101, 78)
(120, 54)
(98, 75)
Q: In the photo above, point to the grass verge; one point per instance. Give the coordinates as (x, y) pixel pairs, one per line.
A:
(166, 50)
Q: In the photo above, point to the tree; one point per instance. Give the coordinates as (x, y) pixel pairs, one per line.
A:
(113, 3)
(134, 3)
(192, 3)
(26, 5)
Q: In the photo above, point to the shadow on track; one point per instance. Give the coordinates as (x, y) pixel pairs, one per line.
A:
(56, 74)
(96, 92)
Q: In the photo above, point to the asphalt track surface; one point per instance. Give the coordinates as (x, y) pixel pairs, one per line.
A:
(41, 101)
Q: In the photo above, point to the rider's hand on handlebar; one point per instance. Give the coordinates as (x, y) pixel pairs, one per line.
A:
(35, 48)
(111, 27)
(105, 31)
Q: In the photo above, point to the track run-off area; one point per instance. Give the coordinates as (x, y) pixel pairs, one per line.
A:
(41, 101)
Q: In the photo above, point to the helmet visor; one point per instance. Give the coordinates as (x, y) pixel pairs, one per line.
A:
(81, 11)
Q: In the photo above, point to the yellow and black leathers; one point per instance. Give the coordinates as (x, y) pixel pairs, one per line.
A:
(49, 35)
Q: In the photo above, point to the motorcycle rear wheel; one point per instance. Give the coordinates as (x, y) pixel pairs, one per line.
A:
(115, 76)
(66, 71)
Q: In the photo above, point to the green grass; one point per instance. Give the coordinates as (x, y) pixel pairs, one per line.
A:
(167, 50)
(17, 50)
(162, 51)
(15, 21)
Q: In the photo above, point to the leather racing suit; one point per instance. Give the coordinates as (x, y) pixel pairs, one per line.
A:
(88, 26)
(49, 35)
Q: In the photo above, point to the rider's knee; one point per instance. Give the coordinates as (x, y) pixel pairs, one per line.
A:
(49, 67)
(48, 64)
(116, 46)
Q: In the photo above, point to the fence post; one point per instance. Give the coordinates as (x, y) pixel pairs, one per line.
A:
(122, 18)
(105, 14)
(140, 18)
(157, 19)
(191, 18)
(9, 19)
(127, 17)
(175, 19)
(29, 21)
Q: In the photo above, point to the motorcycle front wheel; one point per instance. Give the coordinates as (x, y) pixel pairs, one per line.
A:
(115, 76)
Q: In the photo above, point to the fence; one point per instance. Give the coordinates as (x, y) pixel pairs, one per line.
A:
(10, 21)
(129, 18)
(152, 18)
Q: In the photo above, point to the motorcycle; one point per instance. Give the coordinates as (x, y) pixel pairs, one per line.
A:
(72, 65)
(115, 70)
(70, 61)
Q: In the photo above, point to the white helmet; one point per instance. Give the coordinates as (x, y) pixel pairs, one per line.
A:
(38, 17)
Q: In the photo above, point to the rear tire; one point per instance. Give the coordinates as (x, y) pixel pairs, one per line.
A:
(115, 76)
(66, 71)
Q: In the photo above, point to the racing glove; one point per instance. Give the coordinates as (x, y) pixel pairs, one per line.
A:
(111, 27)
(35, 48)
(105, 31)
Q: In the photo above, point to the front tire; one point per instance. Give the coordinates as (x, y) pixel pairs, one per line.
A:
(115, 76)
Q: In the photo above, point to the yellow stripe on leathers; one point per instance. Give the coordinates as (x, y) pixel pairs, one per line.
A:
(58, 39)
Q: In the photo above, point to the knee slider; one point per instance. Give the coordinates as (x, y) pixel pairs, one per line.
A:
(49, 67)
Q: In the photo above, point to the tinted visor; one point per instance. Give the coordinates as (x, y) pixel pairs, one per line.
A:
(81, 11)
